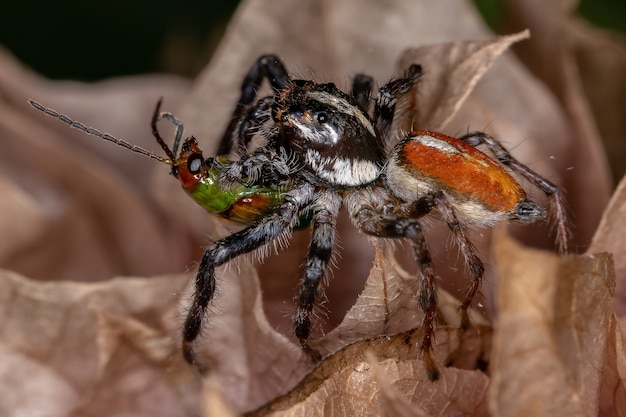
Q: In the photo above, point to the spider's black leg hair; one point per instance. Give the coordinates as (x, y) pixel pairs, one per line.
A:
(473, 263)
(324, 223)
(402, 222)
(362, 90)
(263, 231)
(385, 105)
(267, 66)
(551, 190)
(249, 125)
(269, 167)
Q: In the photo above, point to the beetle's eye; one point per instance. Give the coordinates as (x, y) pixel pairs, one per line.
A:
(194, 163)
(322, 117)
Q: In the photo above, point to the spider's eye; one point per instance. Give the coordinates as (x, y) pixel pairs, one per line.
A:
(321, 117)
(194, 163)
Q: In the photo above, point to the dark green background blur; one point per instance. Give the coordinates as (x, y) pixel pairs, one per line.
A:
(74, 39)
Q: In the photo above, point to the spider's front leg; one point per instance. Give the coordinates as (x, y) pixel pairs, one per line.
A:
(362, 90)
(389, 218)
(268, 167)
(252, 124)
(385, 105)
(324, 221)
(266, 66)
(266, 229)
(564, 234)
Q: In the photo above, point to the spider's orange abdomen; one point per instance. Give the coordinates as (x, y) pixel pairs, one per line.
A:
(425, 161)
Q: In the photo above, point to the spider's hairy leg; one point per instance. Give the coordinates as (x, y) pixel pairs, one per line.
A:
(271, 168)
(385, 105)
(251, 124)
(266, 66)
(550, 189)
(473, 263)
(362, 90)
(394, 219)
(266, 229)
(327, 206)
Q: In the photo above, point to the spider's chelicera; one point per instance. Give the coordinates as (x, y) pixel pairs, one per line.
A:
(320, 150)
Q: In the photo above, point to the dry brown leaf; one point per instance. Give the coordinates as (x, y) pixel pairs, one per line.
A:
(66, 196)
(140, 372)
(213, 401)
(613, 390)
(610, 237)
(94, 349)
(551, 333)
(601, 62)
(78, 208)
(392, 400)
(345, 383)
(452, 70)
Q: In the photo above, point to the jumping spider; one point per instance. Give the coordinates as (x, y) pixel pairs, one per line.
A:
(336, 158)
(320, 151)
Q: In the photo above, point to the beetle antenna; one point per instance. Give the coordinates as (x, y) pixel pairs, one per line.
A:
(156, 116)
(94, 132)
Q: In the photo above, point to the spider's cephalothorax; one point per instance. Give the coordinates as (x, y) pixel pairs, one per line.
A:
(339, 157)
(335, 139)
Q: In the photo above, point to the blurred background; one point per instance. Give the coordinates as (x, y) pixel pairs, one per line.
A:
(88, 41)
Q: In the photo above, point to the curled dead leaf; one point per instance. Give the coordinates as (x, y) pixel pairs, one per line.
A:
(94, 348)
(452, 70)
(551, 333)
(346, 383)
(125, 362)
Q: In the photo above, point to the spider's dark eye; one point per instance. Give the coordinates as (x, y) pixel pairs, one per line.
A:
(194, 163)
(321, 117)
